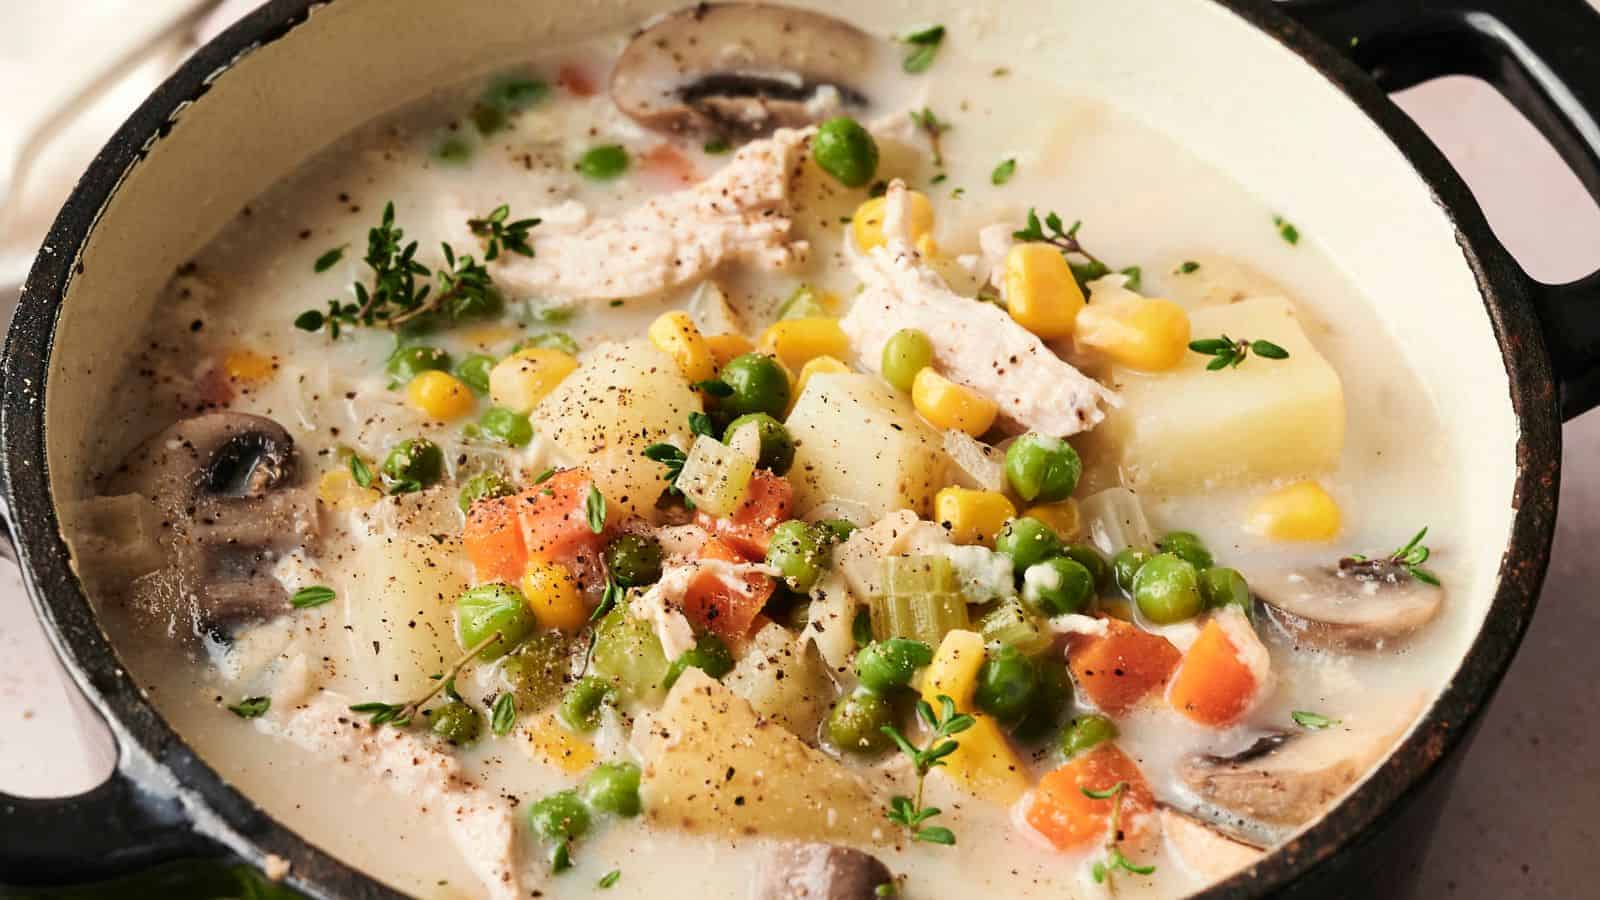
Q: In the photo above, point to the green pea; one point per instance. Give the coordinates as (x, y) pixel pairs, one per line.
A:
(759, 386)
(799, 552)
(456, 722)
(538, 669)
(777, 447)
(907, 352)
(1027, 541)
(604, 163)
(883, 666)
(1167, 589)
(494, 608)
(634, 560)
(506, 425)
(411, 360)
(484, 486)
(845, 150)
(709, 654)
(1222, 586)
(1090, 558)
(552, 340)
(559, 817)
(1085, 732)
(840, 529)
(1050, 702)
(1041, 468)
(1188, 546)
(1007, 684)
(1126, 564)
(580, 705)
(1057, 586)
(474, 372)
(613, 788)
(856, 723)
(413, 465)
(627, 651)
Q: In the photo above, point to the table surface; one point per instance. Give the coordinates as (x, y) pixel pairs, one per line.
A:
(1524, 818)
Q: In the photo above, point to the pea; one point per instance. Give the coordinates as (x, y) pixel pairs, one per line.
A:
(840, 529)
(907, 352)
(559, 817)
(759, 386)
(1126, 564)
(709, 654)
(1222, 586)
(494, 608)
(845, 150)
(777, 447)
(484, 486)
(553, 340)
(474, 372)
(1090, 558)
(1057, 586)
(1167, 589)
(1042, 468)
(855, 725)
(1007, 684)
(538, 669)
(603, 163)
(634, 560)
(411, 360)
(457, 723)
(885, 665)
(580, 705)
(799, 552)
(412, 465)
(1027, 541)
(1085, 732)
(1187, 545)
(613, 788)
(506, 425)
(1050, 702)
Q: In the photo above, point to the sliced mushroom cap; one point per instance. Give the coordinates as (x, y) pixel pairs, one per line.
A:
(821, 872)
(1354, 605)
(1205, 851)
(740, 69)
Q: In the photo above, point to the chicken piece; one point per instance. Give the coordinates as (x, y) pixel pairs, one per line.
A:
(662, 605)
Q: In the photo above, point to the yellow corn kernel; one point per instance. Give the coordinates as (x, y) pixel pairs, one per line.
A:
(554, 745)
(552, 594)
(983, 764)
(440, 395)
(485, 337)
(674, 334)
(1302, 511)
(1140, 332)
(522, 379)
(951, 406)
(337, 489)
(867, 224)
(1062, 517)
(1040, 291)
(927, 247)
(249, 366)
(796, 342)
(821, 365)
(972, 517)
(724, 347)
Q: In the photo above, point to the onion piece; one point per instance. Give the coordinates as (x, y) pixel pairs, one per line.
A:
(1113, 519)
(977, 464)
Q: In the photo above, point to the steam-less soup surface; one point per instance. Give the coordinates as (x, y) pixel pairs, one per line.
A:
(752, 457)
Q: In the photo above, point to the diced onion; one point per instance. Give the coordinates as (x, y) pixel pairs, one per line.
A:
(1114, 520)
(977, 464)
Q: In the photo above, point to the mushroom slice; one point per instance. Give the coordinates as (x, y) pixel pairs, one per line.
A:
(821, 872)
(740, 69)
(1205, 852)
(1354, 605)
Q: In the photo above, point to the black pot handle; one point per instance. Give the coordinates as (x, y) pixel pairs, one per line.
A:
(1544, 57)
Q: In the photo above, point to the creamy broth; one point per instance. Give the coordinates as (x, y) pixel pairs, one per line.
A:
(1143, 200)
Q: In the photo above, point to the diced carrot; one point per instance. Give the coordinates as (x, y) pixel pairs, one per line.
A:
(670, 165)
(548, 521)
(493, 540)
(712, 604)
(1215, 685)
(749, 528)
(575, 80)
(1120, 668)
(1070, 819)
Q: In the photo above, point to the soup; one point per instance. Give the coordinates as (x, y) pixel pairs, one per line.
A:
(775, 471)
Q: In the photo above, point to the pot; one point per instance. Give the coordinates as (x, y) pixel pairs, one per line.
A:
(1270, 93)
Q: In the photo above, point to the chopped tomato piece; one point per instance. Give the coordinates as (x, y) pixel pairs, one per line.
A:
(1072, 820)
(1122, 667)
(749, 528)
(548, 521)
(670, 165)
(726, 610)
(1216, 684)
(575, 80)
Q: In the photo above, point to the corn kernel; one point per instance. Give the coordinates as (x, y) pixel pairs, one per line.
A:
(950, 406)
(1302, 511)
(337, 489)
(796, 342)
(1040, 291)
(972, 517)
(674, 334)
(983, 764)
(248, 366)
(552, 594)
(867, 223)
(1140, 332)
(1062, 517)
(553, 744)
(522, 379)
(724, 347)
(440, 395)
(927, 247)
(821, 365)
(486, 337)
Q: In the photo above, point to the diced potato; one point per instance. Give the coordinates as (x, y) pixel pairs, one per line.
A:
(1198, 281)
(625, 398)
(401, 612)
(1188, 429)
(784, 680)
(711, 765)
(857, 440)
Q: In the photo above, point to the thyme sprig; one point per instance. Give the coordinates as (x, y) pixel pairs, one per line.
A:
(909, 811)
(924, 44)
(511, 236)
(401, 714)
(1408, 558)
(1085, 269)
(1228, 353)
(934, 127)
(1104, 869)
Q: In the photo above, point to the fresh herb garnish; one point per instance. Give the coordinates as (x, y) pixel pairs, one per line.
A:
(1315, 721)
(1286, 230)
(1135, 277)
(251, 707)
(308, 597)
(924, 45)
(1409, 557)
(359, 471)
(1188, 267)
(609, 599)
(669, 456)
(594, 510)
(934, 127)
(1065, 240)
(544, 476)
(716, 147)
(401, 714)
(1104, 869)
(608, 879)
(504, 714)
(328, 260)
(1003, 172)
(909, 811)
(1229, 353)
(701, 424)
(714, 387)
(503, 235)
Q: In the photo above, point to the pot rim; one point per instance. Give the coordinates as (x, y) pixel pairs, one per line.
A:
(247, 830)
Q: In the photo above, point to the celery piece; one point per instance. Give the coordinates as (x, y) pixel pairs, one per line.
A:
(715, 476)
(1009, 625)
(803, 304)
(627, 652)
(921, 600)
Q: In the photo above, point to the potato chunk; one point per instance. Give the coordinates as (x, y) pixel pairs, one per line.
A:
(401, 611)
(859, 441)
(1188, 429)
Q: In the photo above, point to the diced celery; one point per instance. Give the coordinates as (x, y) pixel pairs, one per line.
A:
(1114, 520)
(919, 575)
(627, 652)
(715, 476)
(803, 304)
(921, 600)
(1008, 624)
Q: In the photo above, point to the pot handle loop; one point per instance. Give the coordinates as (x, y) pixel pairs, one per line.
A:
(1544, 57)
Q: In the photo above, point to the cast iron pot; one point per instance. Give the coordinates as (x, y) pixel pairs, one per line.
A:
(1292, 96)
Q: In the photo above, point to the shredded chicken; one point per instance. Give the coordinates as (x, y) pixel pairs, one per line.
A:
(976, 344)
(662, 604)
